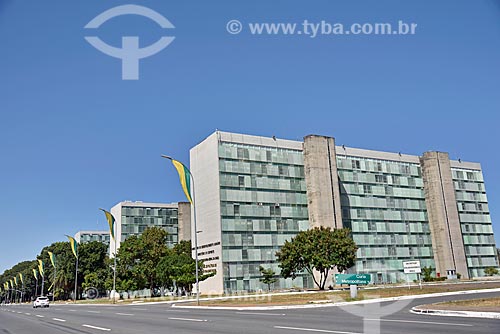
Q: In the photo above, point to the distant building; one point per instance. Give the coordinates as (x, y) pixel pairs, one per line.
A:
(132, 218)
(88, 236)
(253, 193)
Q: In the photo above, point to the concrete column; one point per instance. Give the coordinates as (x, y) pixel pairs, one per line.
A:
(322, 182)
(184, 221)
(444, 220)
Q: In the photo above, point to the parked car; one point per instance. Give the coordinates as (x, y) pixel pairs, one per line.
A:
(41, 301)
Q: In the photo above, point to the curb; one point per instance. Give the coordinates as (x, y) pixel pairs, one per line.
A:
(369, 301)
(448, 313)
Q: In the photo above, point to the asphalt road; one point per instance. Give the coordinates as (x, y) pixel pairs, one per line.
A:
(162, 318)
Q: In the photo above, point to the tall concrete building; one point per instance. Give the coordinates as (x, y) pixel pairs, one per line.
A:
(132, 218)
(253, 193)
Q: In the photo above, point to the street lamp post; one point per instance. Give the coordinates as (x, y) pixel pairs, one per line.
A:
(195, 235)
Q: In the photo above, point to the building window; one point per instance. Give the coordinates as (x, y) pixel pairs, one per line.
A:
(392, 251)
(269, 156)
(241, 181)
(275, 210)
(367, 189)
(236, 209)
(356, 164)
(242, 153)
(379, 166)
(470, 176)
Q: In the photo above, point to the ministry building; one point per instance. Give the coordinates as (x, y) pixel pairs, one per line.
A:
(254, 193)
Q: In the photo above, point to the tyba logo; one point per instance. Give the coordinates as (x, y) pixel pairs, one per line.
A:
(129, 53)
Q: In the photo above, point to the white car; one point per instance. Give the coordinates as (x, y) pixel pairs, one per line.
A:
(41, 302)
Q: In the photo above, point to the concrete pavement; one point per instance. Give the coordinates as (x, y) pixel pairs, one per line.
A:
(20, 319)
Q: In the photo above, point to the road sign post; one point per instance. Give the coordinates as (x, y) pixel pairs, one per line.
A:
(412, 267)
(353, 279)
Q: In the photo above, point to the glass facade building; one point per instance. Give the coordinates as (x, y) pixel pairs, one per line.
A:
(383, 203)
(263, 202)
(475, 220)
(132, 218)
(89, 236)
(254, 193)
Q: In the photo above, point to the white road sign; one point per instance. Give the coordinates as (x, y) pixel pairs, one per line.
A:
(413, 271)
(411, 264)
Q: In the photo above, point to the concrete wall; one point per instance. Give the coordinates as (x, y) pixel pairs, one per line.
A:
(184, 219)
(322, 182)
(204, 165)
(444, 222)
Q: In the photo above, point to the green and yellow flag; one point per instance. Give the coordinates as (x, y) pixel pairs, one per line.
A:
(11, 284)
(185, 178)
(21, 278)
(35, 273)
(52, 259)
(74, 245)
(15, 280)
(41, 268)
(111, 222)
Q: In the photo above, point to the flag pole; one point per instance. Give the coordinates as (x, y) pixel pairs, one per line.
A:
(76, 276)
(43, 283)
(114, 267)
(55, 278)
(195, 234)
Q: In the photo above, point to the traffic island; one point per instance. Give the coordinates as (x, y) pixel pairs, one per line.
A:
(475, 308)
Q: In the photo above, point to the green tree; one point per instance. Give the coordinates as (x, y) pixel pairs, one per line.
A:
(138, 257)
(319, 249)
(268, 277)
(491, 271)
(179, 266)
(427, 274)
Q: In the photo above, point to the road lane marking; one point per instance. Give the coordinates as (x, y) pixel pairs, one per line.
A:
(93, 311)
(72, 310)
(188, 319)
(98, 328)
(127, 314)
(257, 313)
(19, 312)
(313, 330)
(27, 313)
(140, 309)
(57, 319)
(422, 322)
(40, 316)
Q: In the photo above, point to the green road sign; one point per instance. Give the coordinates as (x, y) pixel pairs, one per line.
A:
(353, 279)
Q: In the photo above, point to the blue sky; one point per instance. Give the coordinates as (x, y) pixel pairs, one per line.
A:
(75, 137)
